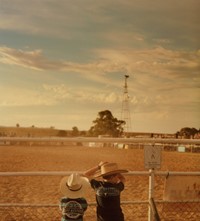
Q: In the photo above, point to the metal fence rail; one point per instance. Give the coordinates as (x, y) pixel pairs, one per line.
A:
(130, 173)
(102, 140)
(168, 211)
(133, 209)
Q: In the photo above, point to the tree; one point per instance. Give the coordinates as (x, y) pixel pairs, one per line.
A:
(106, 124)
(62, 133)
(187, 132)
(75, 131)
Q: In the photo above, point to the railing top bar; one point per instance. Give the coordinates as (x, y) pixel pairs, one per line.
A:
(165, 173)
(39, 173)
(94, 203)
(130, 173)
(177, 201)
(27, 205)
(57, 205)
(177, 173)
(105, 140)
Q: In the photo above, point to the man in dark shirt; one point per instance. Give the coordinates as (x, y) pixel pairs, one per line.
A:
(107, 191)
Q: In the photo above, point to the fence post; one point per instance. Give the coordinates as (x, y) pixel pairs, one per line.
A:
(151, 193)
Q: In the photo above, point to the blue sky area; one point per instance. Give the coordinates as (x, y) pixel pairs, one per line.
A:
(62, 62)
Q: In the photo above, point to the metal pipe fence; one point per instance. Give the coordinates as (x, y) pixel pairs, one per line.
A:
(182, 211)
(102, 140)
(135, 206)
(141, 186)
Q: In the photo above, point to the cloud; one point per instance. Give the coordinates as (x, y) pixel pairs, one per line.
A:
(36, 60)
(54, 95)
(64, 19)
(90, 95)
(17, 97)
(157, 61)
(27, 59)
(36, 17)
(157, 64)
(163, 79)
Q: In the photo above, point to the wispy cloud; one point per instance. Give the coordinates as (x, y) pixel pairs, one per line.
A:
(24, 97)
(109, 60)
(65, 19)
(157, 65)
(54, 94)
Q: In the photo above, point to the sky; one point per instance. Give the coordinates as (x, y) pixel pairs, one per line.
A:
(62, 62)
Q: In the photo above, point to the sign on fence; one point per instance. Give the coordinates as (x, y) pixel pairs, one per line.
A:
(152, 156)
(182, 188)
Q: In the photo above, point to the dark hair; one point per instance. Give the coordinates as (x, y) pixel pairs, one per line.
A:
(107, 177)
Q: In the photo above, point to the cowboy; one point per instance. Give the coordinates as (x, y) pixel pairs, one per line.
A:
(73, 204)
(107, 191)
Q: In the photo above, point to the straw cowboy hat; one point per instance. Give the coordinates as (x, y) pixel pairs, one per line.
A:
(74, 186)
(109, 169)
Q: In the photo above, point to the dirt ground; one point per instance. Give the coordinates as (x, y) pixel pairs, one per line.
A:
(45, 189)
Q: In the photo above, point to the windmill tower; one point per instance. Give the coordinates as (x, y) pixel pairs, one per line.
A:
(125, 112)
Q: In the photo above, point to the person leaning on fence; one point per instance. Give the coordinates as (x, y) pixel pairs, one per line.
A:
(73, 204)
(107, 191)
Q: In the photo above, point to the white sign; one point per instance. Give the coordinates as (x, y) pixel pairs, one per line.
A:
(182, 188)
(152, 156)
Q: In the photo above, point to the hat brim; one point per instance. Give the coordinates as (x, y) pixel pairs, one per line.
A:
(74, 194)
(99, 174)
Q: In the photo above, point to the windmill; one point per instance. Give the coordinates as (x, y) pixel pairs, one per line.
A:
(125, 111)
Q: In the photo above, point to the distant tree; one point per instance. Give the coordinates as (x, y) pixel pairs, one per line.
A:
(187, 132)
(17, 125)
(106, 124)
(75, 131)
(62, 133)
(83, 133)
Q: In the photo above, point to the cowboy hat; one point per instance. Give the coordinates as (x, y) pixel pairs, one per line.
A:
(109, 169)
(74, 186)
